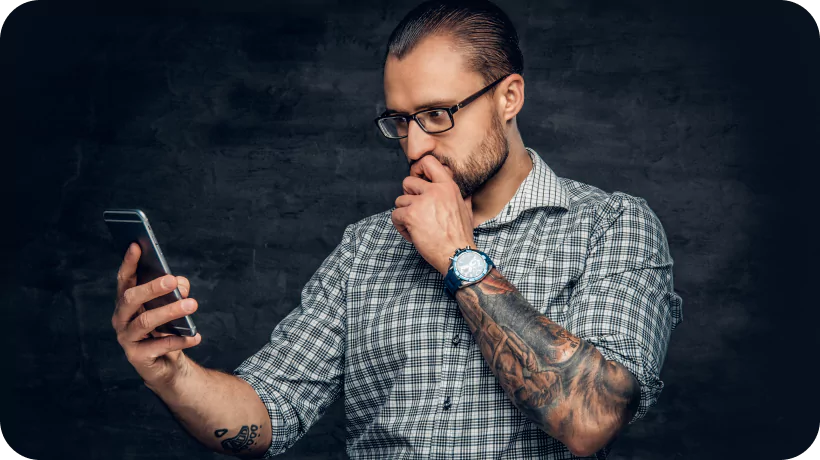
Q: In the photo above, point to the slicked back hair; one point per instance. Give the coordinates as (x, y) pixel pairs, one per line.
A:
(478, 27)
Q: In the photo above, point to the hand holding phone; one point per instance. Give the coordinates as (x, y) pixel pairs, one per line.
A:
(158, 360)
(131, 226)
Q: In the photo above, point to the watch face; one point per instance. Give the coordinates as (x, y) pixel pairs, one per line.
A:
(470, 265)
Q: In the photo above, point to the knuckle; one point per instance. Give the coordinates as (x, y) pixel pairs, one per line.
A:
(128, 296)
(122, 299)
(154, 287)
(168, 343)
(129, 354)
(144, 321)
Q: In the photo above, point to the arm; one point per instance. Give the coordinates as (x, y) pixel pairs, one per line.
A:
(623, 305)
(221, 411)
(276, 394)
(584, 387)
(299, 372)
(559, 381)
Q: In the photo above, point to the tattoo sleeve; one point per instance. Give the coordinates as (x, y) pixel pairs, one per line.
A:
(559, 381)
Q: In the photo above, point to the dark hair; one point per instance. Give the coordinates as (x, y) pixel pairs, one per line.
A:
(480, 28)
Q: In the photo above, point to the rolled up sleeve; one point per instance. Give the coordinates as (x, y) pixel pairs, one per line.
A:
(624, 303)
(298, 373)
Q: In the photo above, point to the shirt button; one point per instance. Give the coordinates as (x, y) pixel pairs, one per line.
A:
(447, 403)
(456, 340)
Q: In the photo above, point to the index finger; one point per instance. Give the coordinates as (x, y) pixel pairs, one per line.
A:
(127, 274)
(432, 169)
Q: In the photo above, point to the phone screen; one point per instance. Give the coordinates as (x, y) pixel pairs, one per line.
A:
(131, 225)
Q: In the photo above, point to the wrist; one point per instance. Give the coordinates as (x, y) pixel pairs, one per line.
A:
(175, 381)
(447, 260)
(469, 266)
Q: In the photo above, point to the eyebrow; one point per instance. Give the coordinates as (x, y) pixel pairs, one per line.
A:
(426, 105)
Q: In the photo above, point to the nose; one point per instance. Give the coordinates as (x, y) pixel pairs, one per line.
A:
(418, 142)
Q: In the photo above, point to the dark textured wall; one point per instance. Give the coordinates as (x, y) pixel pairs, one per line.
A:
(244, 130)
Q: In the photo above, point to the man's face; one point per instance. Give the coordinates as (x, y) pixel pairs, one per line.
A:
(435, 75)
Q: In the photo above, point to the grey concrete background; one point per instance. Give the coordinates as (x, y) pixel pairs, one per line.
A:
(244, 130)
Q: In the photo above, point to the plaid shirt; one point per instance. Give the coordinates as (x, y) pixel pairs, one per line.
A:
(375, 322)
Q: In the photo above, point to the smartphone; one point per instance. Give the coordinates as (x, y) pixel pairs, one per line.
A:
(131, 225)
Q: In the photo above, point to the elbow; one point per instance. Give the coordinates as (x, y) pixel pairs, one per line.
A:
(582, 452)
(590, 443)
(584, 448)
(606, 427)
(588, 450)
(600, 424)
(578, 450)
(596, 436)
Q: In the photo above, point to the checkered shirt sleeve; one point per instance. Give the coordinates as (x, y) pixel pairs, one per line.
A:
(299, 372)
(624, 303)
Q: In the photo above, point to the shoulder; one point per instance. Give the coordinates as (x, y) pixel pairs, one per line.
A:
(374, 231)
(607, 207)
(617, 219)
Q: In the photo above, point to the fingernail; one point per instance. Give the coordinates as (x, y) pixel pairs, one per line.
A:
(188, 304)
(166, 282)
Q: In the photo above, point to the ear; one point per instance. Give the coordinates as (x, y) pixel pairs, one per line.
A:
(510, 97)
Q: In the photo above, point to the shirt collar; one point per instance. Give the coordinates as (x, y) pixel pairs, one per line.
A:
(541, 188)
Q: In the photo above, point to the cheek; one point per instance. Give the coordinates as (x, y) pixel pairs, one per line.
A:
(474, 131)
(461, 142)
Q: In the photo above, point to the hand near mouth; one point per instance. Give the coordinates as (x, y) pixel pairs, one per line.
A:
(432, 214)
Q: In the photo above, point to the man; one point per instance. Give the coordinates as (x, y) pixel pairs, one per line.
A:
(498, 311)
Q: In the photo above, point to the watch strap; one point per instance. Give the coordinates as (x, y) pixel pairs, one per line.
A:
(453, 283)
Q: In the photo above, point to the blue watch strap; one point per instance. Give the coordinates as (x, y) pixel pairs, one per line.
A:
(452, 282)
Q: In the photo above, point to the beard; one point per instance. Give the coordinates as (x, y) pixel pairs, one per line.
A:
(483, 163)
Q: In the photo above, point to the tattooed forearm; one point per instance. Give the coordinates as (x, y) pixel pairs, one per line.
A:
(242, 441)
(556, 379)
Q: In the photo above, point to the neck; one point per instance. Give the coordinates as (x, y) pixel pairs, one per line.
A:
(491, 198)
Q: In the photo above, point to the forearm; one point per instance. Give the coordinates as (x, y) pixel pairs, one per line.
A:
(556, 379)
(219, 410)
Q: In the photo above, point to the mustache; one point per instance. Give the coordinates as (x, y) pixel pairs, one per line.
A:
(412, 162)
(441, 159)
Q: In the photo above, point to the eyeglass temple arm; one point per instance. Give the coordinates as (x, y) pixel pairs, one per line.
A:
(475, 96)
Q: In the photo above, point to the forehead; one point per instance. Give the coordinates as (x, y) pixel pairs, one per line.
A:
(435, 70)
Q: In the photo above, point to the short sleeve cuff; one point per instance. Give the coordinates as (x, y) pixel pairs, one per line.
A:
(274, 403)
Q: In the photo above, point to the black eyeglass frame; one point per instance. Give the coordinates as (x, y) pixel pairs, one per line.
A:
(450, 111)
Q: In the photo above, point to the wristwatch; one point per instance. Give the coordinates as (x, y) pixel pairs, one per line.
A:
(468, 266)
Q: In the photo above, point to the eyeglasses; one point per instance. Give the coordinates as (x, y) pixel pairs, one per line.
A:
(432, 121)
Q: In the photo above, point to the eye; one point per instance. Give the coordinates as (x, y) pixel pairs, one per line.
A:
(436, 113)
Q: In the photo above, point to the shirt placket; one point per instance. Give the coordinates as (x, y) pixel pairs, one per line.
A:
(455, 352)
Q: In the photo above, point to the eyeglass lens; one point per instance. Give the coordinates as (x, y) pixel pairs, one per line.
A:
(432, 121)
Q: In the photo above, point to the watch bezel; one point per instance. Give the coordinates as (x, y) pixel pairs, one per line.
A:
(465, 278)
